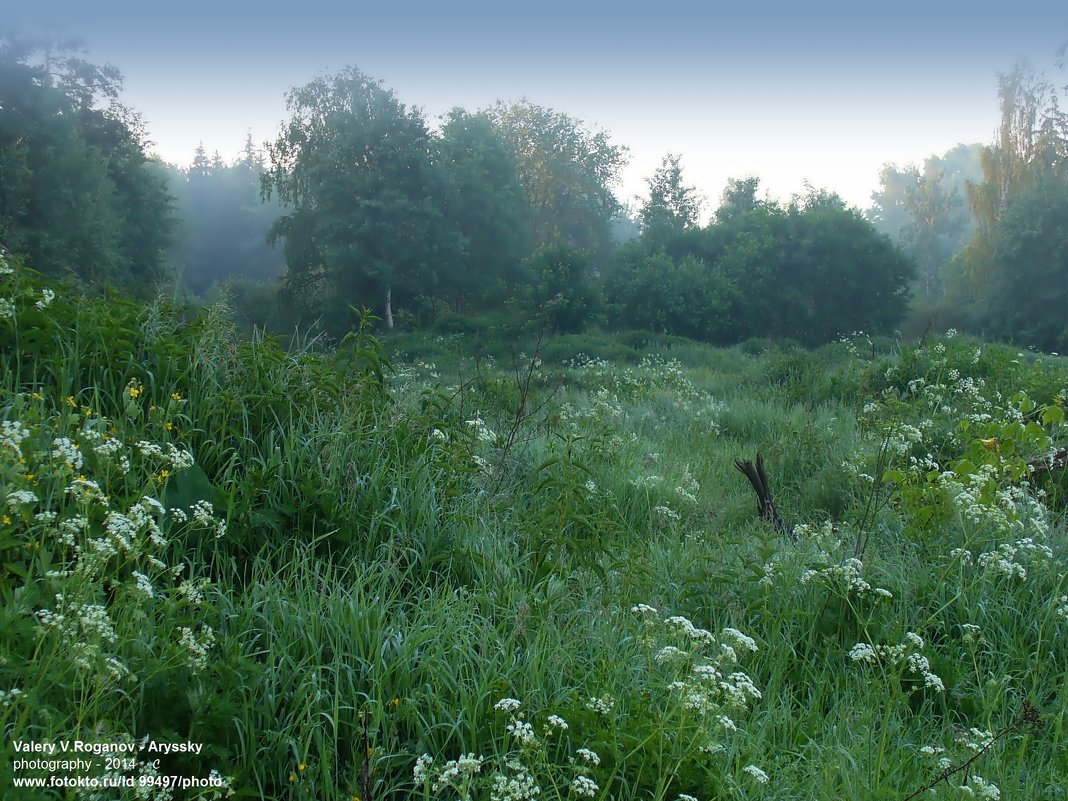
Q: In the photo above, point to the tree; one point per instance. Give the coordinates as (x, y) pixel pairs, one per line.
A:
(671, 205)
(810, 271)
(1030, 245)
(488, 207)
(562, 292)
(367, 218)
(739, 197)
(1032, 141)
(567, 172)
(78, 196)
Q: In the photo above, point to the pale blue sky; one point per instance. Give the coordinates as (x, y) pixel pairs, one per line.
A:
(788, 91)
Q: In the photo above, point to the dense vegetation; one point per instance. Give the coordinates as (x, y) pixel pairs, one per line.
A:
(494, 545)
(452, 580)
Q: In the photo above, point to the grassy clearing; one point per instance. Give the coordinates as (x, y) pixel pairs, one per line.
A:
(461, 580)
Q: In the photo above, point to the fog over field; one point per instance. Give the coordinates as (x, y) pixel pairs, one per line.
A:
(791, 92)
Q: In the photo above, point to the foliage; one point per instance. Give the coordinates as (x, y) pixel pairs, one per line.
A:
(367, 220)
(671, 205)
(488, 206)
(567, 172)
(1026, 161)
(78, 195)
(388, 599)
(925, 213)
(562, 292)
(811, 271)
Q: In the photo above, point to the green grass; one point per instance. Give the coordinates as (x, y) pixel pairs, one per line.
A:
(404, 550)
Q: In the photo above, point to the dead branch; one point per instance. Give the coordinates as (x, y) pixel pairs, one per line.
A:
(758, 477)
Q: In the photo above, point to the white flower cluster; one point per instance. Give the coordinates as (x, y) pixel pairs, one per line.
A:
(204, 515)
(12, 435)
(47, 296)
(519, 785)
(21, 498)
(455, 773)
(980, 788)
(482, 431)
(848, 574)
(196, 646)
(584, 785)
(907, 652)
(602, 706)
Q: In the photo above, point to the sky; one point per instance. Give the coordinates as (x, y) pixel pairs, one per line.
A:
(823, 93)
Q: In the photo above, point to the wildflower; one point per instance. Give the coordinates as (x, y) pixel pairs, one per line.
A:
(47, 296)
(520, 787)
(555, 721)
(21, 497)
(7, 309)
(983, 789)
(643, 609)
(197, 648)
(458, 771)
(741, 640)
(422, 768)
(12, 435)
(684, 797)
(522, 731)
(756, 773)
(584, 785)
(862, 652)
(602, 706)
(143, 584)
(507, 705)
(589, 756)
(668, 653)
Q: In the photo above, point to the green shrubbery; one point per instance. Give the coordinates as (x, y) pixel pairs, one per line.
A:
(351, 578)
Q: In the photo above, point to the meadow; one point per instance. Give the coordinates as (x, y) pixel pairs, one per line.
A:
(447, 566)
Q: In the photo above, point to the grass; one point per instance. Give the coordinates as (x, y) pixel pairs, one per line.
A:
(359, 568)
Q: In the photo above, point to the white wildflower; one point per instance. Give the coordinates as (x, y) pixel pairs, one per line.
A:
(756, 773)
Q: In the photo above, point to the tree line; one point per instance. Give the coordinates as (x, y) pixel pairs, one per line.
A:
(360, 201)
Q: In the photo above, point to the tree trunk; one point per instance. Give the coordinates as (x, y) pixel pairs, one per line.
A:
(389, 308)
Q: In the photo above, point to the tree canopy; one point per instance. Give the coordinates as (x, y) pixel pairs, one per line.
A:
(366, 221)
(79, 198)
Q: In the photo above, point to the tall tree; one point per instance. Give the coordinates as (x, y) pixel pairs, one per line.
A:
(488, 207)
(78, 195)
(367, 219)
(1032, 141)
(568, 173)
(671, 205)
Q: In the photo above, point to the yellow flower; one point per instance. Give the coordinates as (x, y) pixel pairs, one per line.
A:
(169, 425)
(395, 702)
(5, 520)
(37, 396)
(71, 402)
(135, 391)
(176, 397)
(301, 766)
(292, 778)
(162, 476)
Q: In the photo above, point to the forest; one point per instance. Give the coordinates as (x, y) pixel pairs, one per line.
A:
(400, 458)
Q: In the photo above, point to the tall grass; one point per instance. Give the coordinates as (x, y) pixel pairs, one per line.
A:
(461, 581)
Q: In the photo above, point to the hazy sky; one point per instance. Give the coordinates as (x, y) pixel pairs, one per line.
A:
(788, 91)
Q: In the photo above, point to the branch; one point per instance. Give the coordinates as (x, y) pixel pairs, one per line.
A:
(1029, 717)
